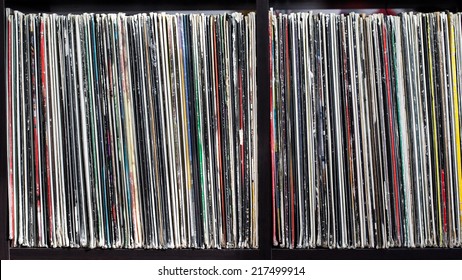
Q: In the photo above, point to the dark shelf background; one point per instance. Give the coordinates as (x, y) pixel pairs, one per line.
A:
(130, 6)
(415, 5)
(368, 254)
(266, 250)
(135, 254)
(4, 247)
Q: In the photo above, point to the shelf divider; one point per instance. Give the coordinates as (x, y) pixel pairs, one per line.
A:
(4, 244)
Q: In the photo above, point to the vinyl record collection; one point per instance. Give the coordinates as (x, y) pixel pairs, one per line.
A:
(132, 131)
(365, 130)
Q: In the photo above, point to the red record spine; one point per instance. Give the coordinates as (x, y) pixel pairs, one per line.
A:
(390, 120)
(291, 182)
(443, 198)
(10, 141)
(37, 152)
(44, 94)
(273, 155)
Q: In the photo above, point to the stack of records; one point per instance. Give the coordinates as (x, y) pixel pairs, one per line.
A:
(365, 130)
(132, 131)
